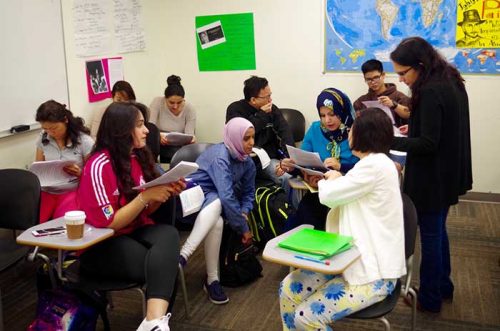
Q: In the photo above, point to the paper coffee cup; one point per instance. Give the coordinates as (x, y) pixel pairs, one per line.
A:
(75, 221)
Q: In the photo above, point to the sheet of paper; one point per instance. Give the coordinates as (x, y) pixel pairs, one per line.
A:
(377, 104)
(177, 138)
(311, 171)
(179, 171)
(304, 158)
(264, 158)
(51, 173)
(191, 200)
(398, 156)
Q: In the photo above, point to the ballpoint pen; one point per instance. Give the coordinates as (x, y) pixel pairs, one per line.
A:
(305, 258)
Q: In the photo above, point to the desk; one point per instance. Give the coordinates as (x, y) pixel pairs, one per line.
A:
(338, 263)
(91, 236)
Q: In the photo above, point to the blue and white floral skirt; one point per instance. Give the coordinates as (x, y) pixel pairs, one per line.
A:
(313, 301)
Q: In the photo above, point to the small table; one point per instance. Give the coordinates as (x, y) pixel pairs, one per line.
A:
(338, 263)
(91, 236)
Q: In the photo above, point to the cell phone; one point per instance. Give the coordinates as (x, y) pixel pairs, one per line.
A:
(49, 231)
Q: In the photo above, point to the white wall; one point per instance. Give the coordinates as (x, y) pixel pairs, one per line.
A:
(288, 42)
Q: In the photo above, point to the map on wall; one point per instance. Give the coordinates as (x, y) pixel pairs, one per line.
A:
(356, 31)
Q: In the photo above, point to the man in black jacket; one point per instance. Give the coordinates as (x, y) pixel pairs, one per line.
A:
(271, 129)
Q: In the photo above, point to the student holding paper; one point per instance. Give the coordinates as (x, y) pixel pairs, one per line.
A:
(438, 165)
(227, 176)
(142, 250)
(328, 138)
(172, 113)
(63, 137)
(370, 210)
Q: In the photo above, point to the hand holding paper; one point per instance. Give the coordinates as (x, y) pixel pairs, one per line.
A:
(176, 138)
(52, 174)
(179, 171)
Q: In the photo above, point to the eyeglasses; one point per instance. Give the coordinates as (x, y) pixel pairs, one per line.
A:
(404, 72)
(267, 97)
(374, 79)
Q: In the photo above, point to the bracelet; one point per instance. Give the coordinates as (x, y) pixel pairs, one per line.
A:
(146, 205)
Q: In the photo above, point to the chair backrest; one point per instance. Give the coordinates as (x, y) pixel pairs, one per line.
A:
(19, 199)
(188, 153)
(410, 220)
(153, 139)
(296, 121)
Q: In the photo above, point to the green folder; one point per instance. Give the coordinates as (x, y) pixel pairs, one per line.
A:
(315, 243)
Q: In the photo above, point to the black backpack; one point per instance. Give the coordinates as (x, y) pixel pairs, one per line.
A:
(238, 263)
(270, 212)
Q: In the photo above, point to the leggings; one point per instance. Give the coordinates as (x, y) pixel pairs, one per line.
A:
(148, 255)
(208, 226)
(313, 301)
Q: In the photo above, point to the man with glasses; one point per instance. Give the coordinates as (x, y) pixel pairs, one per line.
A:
(386, 94)
(271, 129)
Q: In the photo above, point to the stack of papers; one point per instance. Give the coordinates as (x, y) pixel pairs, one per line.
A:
(308, 162)
(52, 176)
(181, 170)
(177, 138)
(317, 244)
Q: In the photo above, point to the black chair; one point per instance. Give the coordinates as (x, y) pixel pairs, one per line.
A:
(384, 307)
(20, 208)
(297, 123)
(188, 153)
(153, 139)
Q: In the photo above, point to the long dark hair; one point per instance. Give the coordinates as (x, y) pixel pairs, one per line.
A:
(115, 136)
(417, 53)
(53, 111)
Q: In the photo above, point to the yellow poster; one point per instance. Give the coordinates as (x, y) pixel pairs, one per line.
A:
(478, 24)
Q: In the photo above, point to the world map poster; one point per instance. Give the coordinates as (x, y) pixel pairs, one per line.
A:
(356, 31)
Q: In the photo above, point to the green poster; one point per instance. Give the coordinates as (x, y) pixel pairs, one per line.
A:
(225, 42)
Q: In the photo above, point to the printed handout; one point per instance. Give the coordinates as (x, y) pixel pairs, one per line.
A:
(52, 175)
(179, 171)
(191, 200)
(264, 158)
(377, 104)
(177, 138)
(304, 158)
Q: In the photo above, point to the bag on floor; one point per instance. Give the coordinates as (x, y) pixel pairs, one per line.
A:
(238, 263)
(63, 310)
(270, 212)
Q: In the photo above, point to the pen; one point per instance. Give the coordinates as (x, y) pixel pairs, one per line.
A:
(311, 259)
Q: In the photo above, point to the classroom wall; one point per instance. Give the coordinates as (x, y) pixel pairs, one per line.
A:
(288, 42)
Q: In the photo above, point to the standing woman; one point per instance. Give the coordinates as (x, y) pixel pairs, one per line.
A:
(141, 250)
(227, 177)
(438, 164)
(121, 91)
(172, 114)
(63, 137)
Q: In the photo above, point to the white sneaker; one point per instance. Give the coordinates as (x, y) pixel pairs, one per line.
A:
(159, 324)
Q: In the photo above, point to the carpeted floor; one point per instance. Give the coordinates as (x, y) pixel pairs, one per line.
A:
(474, 230)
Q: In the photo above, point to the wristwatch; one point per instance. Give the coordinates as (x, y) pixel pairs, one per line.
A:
(394, 105)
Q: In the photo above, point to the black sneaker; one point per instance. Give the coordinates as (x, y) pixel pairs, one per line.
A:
(215, 292)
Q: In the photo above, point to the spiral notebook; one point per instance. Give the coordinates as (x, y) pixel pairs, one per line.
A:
(319, 244)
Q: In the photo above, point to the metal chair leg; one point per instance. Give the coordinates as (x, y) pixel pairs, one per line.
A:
(184, 290)
(413, 294)
(386, 323)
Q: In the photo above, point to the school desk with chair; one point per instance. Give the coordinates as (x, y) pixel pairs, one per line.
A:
(335, 264)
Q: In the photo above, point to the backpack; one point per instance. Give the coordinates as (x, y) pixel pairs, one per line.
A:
(269, 214)
(62, 310)
(238, 263)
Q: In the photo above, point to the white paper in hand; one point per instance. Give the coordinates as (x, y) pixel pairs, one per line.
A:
(264, 158)
(52, 174)
(304, 158)
(191, 200)
(377, 104)
(178, 139)
(179, 171)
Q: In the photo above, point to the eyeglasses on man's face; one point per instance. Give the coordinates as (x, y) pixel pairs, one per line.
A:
(266, 97)
(404, 72)
(374, 79)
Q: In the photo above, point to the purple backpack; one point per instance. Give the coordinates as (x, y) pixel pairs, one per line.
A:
(62, 310)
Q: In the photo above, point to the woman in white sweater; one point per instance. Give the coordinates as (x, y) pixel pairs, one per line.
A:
(366, 204)
(172, 113)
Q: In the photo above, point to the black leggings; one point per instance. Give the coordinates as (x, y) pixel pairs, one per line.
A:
(148, 255)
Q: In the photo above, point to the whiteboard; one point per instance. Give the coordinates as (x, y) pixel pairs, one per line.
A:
(32, 59)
